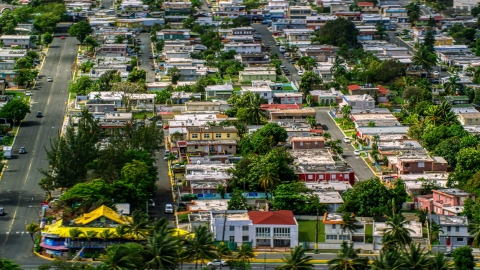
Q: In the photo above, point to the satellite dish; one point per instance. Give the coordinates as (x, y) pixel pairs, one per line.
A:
(198, 162)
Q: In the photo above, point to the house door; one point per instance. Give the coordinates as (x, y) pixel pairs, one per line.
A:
(219, 148)
(206, 149)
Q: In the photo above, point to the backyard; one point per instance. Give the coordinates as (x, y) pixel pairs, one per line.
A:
(306, 231)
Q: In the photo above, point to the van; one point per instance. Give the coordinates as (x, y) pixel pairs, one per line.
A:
(282, 49)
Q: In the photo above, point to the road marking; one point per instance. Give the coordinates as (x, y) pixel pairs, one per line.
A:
(13, 220)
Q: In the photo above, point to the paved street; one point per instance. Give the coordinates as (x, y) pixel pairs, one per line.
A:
(361, 170)
(19, 191)
(144, 62)
(268, 39)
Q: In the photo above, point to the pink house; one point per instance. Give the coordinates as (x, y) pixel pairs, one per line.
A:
(444, 201)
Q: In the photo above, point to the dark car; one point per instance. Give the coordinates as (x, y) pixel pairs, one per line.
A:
(2, 211)
(22, 150)
(39, 114)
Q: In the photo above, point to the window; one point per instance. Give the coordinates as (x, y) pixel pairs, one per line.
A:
(196, 146)
(264, 94)
(343, 237)
(194, 136)
(459, 239)
(244, 228)
(228, 135)
(232, 238)
(245, 238)
(346, 175)
(421, 164)
(334, 226)
(310, 177)
(218, 135)
(334, 176)
(457, 229)
(206, 136)
(301, 143)
(231, 228)
(321, 177)
(449, 228)
(331, 237)
(230, 147)
(263, 231)
(281, 232)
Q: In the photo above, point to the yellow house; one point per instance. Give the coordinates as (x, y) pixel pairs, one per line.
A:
(215, 133)
(57, 238)
(443, 40)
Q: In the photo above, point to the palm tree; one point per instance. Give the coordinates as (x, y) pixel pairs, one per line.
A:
(311, 121)
(106, 235)
(223, 251)
(75, 233)
(476, 234)
(161, 225)
(121, 231)
(435, 230)
(137, 225)
(347, 259)
(439, 262)
(433, 115)
(387, 260)
(254, 106)
(338, 68)
(89, 235)
(32, 229)
(201, 247)
(452, 85)
(326, 135)
(348, 223)
(389, 244)
(244, 255)
(414, 258)
(310, 63)
(396, 229)
(346, 112)
(425, 58)
(269, 178)
(309, 99)
(120, 257)
(297, 260)
(161, 251)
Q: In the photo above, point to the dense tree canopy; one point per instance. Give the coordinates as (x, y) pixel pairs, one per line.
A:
(337, 32)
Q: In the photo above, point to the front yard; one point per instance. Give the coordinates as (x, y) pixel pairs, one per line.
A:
(306, 231)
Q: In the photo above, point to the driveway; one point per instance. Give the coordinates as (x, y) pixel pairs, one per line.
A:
(362, 171)
(268, 40)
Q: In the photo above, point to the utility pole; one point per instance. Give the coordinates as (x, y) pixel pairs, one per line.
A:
(316, 235)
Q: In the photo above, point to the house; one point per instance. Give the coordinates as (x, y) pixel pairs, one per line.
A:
(396, 131)
(249, 75)
(281, 24)
(222, 92)
(246, 30)
(16, 40)
(231, 11)
(7, 64)
(333, 229)
(326, 97)
(291, 114)
(300, 143)
(413, 163)
(243, 47)
(379, 119)
(457, 100)
(157, 86)
(414, 229)
(455, 230)
(261, 229)
(210, 139)
(368, 8)
(248, 59)
(173, 34)
(469, 119)
(202, 106)
(362, 102)
(318, 165)
(331, 198)
(288, 98)
(113, 48)
(374, 19)
(354, 16)
(12, 54)
(317, 22)
(447, 201)
(339, 6)
(192, 73)
(395, 12)
(464, 6)
(299, 12)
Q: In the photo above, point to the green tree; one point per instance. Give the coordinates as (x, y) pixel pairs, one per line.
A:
(296, 197)
(9, 264)
(381, 31)
(80, 30)
(244, 255)
(47, 38)
(237, 201)
(46, 22)
(415, 258)
(161, 251)
(463, 258)
(121, 257)
(108, 79)
(32, 229)
(296, 260)
(137, 75)
(429, 40)
(15, 110)
(308, 81)
(24, 63)
(174, 73)
(347, 258)
(81, 86)
(435, 230)
(396, 228)
(425, 58)
(201, 247)
(120, 39)
(223, 251)
(268, 137)
(338, 32)
(138, 224)
(439, 262)
(452, 85)
(91, 43)
(307, 62)
(348, 223)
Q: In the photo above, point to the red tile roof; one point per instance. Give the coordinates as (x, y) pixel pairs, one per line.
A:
(184, 144)
(382, 90)
(282, 217)
(353, 87)
(365, 4)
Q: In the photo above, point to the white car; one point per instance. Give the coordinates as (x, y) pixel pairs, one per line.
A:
(28, 93)
(346, 139)
(217, 263)
(300, 72)
(168, 208)
(356, 153)
(49, 79)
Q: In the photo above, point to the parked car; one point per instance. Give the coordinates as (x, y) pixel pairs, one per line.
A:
(346, 139)
(22, 150)
(28, 93)
(300, 72)
(168, 208)
(49, 79)
(217, 262)
(39, 114)
(2, 211)
(356, 153)
(151, 203)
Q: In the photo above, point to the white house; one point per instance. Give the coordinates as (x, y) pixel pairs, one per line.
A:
(264, 92)
(362, 102)
(14, 40)
(334, 233)
(270, 229)
(379, 229)
(243, 47)
(455, 230)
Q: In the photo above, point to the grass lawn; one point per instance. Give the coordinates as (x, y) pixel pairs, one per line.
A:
(306, 231)
(349, 133)
(288, 87)
(369, 233)
(183, 217)
(399, 100)
(338, 120)
(142, 115)
(237, 88)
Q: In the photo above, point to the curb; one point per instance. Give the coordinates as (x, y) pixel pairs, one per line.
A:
(43, 257)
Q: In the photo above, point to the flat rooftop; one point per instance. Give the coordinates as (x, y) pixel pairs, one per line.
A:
(454, 192)
(329, 197)
(453, 220)
(208, 205)
(313, 157)
(416, 227)
(236, 215)
(328, 185)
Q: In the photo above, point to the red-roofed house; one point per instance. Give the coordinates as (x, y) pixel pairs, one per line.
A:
(262, 229)
(368, 8)
(369, 89)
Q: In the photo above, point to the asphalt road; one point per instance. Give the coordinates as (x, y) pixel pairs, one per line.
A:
(20, 194)
(268, 39)
(362, 171)
(146, 51)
